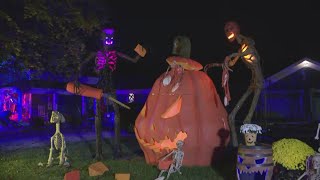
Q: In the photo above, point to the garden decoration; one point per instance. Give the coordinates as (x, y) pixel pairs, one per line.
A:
(57, 140)
(175, 161)
(317, 135)
(312, 168)
(250, 132)
(289, 156)
(183, 102)
(255, 162)
(251, 58)
(92, 92)
(225, 80)
(105, 64)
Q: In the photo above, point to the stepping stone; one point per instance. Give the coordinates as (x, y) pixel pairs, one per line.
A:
(122, 176)
(97, 169)
(72, 175)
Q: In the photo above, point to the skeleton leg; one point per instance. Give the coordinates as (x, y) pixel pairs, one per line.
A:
(303, 175)
(233, 114)
(62, 150)
(253, 106)
(171, 170)
(179, 171)
(162, 171)
(50, 154)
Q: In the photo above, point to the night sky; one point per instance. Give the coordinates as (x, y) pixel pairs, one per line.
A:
(283, 33)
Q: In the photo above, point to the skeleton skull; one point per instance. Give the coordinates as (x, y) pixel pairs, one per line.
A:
(231, 30)
(56, 117)
(316, 161)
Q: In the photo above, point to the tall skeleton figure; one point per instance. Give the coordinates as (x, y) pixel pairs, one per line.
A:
(249, 55)
(57, 140)
(105, 64)
(177, 157)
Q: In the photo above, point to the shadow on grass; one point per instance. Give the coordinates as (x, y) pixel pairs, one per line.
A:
(87, 144)
(224, 158)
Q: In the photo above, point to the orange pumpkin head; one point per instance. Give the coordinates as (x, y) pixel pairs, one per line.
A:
(182, 105)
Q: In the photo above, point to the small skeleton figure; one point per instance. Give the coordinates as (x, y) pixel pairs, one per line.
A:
(314, 163)
(177, 157)
(317, 135)
(57, 140)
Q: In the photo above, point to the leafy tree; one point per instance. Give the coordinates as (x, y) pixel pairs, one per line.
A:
(50, 36)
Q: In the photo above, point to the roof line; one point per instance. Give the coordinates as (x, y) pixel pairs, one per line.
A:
(302, 63)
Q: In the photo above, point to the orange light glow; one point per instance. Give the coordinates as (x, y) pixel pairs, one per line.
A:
(244, 47)
(143, 111)
(231, 36)
(174, 109)
(165, 144)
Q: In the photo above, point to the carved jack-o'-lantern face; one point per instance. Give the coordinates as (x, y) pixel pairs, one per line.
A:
(231, 29)
(108, 36)
(182, 105)
(255, 162)
(250, 139)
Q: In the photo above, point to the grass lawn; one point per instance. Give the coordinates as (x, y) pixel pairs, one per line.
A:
(23, 164)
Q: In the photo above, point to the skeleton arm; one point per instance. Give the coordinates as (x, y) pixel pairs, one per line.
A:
(168, 155)
(124, 56)
(317, 135)
(51, 151)
(234, 57)
(62, 150)
(80, 67)
(229, 62)
(303, 175)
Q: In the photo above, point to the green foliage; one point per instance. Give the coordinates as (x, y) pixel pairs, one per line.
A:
(291, 153)
(50, 35)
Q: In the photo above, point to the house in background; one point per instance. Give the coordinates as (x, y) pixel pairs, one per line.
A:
(27, 101)
(292, 95)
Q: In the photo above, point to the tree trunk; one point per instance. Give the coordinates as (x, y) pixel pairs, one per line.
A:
(98, 128)
(116, 148)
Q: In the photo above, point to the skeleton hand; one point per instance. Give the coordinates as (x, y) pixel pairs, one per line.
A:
(233, 55)
(225, 65)
(77, 87)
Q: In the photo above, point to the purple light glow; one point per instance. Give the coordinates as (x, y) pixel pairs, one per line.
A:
(8, 101)
(109, 36)
(108, 31)
(112, 60)
(109, 41)
(102, 59)
(26, 106)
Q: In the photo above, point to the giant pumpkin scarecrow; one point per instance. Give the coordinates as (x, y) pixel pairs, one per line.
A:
(183, 104)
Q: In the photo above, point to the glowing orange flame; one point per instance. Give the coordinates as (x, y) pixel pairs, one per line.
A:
(231, 36)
